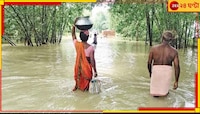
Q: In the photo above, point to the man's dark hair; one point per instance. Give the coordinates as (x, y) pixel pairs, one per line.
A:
(83, 37)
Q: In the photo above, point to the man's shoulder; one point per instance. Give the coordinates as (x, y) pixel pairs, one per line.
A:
(155, 46)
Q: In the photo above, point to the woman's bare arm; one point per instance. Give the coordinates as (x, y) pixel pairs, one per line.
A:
(93, 62)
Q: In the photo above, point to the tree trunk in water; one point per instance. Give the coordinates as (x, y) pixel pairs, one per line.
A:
(148, 27)
(193, 42)
(9, 41)
(181, 35)
(53, 35)
(151, 27)
(24, 26)
(44, 25)
(185, 41)
(28, 41)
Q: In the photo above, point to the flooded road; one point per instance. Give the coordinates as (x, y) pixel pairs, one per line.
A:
(41, 78)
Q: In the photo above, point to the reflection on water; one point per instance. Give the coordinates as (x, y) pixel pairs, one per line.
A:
(41, 78)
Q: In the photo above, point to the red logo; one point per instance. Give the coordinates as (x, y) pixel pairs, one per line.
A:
(174, 5)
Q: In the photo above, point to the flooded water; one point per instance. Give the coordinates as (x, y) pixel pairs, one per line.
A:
(41, 78)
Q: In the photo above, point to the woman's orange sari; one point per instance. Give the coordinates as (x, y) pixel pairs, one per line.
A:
(82, 69)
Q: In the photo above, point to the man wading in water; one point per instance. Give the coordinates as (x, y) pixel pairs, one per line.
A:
(160, 62)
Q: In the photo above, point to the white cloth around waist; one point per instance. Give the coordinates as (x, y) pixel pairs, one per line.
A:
(160, 80)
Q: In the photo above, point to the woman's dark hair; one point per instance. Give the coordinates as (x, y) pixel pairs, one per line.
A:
(83, 37)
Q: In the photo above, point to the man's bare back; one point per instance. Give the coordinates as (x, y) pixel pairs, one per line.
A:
(163, 54)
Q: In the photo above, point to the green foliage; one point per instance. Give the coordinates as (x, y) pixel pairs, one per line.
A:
(46, 24)
(43, 24)
(130, 20)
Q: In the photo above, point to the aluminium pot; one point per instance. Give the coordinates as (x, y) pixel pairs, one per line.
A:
(83, 23)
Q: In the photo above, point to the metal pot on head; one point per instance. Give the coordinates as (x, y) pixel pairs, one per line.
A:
(83, 23)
